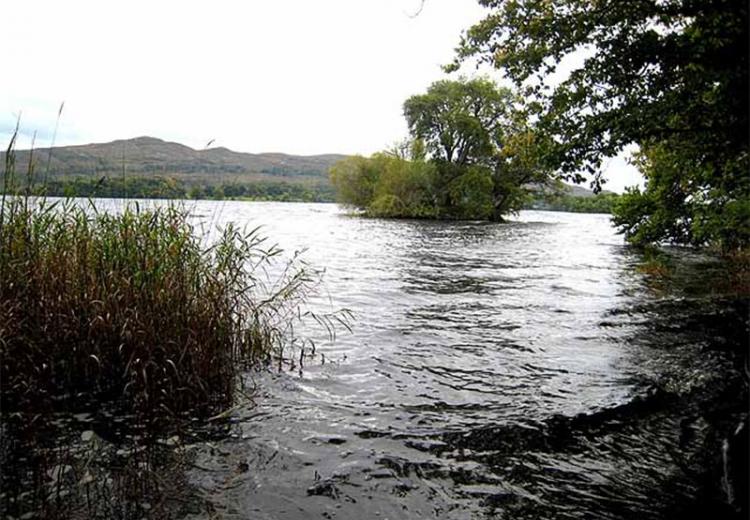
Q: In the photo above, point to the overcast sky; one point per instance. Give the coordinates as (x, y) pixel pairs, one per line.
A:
(293, 76)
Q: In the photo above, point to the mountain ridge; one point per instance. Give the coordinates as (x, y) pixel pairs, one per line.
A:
(146, 156)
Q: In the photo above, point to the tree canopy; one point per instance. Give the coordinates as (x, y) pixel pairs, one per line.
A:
(460, 122)
(668, 75)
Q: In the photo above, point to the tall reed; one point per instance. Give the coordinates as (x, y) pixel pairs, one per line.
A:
(129, 306)
(133, 311)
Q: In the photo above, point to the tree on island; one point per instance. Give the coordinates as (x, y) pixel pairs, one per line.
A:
(471, 156)
(669, 76)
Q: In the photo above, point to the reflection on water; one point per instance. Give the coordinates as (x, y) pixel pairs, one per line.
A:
(517, 370)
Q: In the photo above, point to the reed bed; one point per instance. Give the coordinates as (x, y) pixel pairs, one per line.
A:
(128, 307)
(133, 312)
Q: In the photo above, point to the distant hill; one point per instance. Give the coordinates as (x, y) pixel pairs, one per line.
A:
(152, 168)
(151, 157)
(575, 190)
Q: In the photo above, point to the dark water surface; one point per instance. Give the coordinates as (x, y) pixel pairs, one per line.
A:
(518, 370)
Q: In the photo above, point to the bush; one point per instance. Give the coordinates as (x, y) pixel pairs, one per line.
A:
(387, 206)
(687, 201)
(471, 194)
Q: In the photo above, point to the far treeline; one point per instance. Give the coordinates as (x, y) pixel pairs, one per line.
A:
(559, 199)
(170, 188)
(668, 77)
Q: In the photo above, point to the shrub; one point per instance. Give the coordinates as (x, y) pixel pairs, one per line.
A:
(387, 206)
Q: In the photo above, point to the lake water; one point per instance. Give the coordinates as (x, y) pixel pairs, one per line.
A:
(518, 370)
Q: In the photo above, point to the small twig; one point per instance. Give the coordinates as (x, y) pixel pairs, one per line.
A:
(419, 10)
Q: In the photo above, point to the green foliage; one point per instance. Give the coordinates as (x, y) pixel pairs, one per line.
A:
(472, 157)
(652, 70)
(387, 205)
(116, 187)
(386, 185)
(471, 194)
(354, 179)
(460, 122)
(520, 164)
(668, 75)
(679, 205)
(411, 182)
(262, 190)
